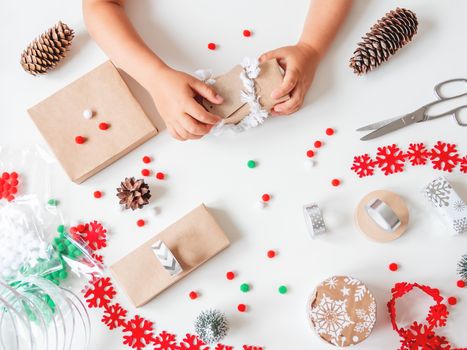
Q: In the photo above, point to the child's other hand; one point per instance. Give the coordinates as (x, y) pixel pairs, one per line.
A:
(299, 62)
(174, 94)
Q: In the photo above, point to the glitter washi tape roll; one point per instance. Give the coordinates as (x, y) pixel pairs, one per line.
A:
(314, 219)
(166, 258)
(382, 216)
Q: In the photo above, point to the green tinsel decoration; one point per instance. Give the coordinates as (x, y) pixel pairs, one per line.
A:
(211, 326)
(462, 267)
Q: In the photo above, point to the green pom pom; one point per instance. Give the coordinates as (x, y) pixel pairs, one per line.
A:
(61, 229)
(52, 202)
(211, 326)
(77, 253)
(63, 275)
(57, 240)
(245, 287)
(61, 247)
(283, 289)
(251, 164)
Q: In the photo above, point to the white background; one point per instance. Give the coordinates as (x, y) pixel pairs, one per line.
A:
(214, 170)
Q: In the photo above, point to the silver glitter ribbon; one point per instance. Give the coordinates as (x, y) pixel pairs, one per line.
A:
(383, 215)
(314, 219)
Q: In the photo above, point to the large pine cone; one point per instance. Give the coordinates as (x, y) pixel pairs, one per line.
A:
(44, 52)
(387, 36)
(133, 194)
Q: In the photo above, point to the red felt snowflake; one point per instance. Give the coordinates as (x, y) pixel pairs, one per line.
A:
(249, 347)
(463, 163)
(363, 165)
(422, 337)
(114, 316)
(165, 341)
(192, 342)
(438, 315)
(417, 154)
(390, 159)
(223, 347)
(98, 258)
(444, 156)
(99, 292)
(95, 235)
(140, 333)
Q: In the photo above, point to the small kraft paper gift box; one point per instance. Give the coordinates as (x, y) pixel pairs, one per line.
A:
(92, 122)
(230, 86)
(170, 256)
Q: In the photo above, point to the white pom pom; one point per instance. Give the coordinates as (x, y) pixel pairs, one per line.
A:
(88, 114)
(309, 163)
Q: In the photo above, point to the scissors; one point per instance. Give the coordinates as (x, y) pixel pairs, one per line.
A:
(420, 115)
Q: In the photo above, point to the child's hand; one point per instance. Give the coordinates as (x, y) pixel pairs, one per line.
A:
(299, 62)
(174, 94)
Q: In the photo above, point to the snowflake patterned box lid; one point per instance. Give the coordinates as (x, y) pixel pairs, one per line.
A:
(448, 204)
(342, 311)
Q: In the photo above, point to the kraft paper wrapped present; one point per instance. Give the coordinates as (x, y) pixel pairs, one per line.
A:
(229, 86)
(192, 240)
(60, 119)
(449, 205)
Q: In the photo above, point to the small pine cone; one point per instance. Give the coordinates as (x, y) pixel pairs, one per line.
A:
(133, 194)
(388, 35)
(44, 52)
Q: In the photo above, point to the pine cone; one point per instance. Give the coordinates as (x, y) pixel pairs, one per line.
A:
(133, 193)
(387, 36)
(44, 52)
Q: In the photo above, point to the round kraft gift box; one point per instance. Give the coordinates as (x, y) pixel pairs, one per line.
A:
(372, 229)
(342, 311)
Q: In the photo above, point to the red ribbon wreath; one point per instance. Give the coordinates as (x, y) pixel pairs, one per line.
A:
(421, 336)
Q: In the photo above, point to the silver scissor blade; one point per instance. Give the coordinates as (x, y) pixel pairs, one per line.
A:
(379, 124)
(392, 126)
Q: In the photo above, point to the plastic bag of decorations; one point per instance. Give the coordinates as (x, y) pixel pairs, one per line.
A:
(37, 255)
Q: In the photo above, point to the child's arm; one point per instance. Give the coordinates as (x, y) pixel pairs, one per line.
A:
(172, 91)
(300, 61)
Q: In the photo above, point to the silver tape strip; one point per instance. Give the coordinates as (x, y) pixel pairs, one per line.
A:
(383, 215)
(314, 219)
(166, 258)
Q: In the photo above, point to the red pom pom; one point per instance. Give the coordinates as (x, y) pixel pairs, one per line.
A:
(146, 159)
(335, 182)
(241, 307)
(13, 190)
(97, 194)
(140, 222)
(211, 46)
(329, 131)
(10, 198)
(265, 197)
(461, 284)
(393, 267)
(145, 172)
(5, 176)
(452, 300)
(160, 176)
(246, 33)
(80, 140)
(104, 126)
(310, 153)
(14, 175)
(271, 254)
(230, 275)
(193, 295)
(318, 144)
(81, 228)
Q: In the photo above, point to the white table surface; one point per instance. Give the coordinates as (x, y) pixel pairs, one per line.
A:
(213, 170)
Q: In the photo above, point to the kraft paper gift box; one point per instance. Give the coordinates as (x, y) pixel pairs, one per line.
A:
(60, 119)
(229, 85)
(193, 240)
